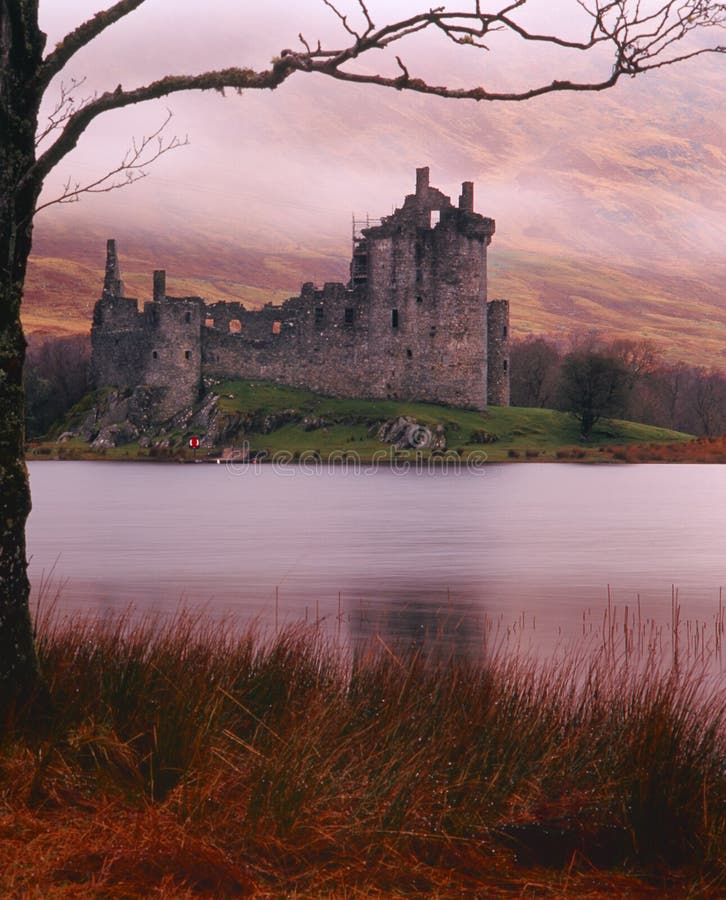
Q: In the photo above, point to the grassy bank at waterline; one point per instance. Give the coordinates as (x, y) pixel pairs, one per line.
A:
(265, 419)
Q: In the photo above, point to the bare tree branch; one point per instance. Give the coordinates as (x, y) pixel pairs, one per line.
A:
(63, 110)
(639, 40)
(79, 37)
(131, 169)
(239, 79)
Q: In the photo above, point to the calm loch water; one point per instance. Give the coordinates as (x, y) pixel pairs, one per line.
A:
(532, 548)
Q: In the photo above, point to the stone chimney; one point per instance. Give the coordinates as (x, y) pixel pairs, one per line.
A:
(466, 200)
(422, 181)
(159, 284)
(112, 284)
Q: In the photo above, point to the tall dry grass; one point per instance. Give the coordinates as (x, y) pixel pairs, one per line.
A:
(185, 759)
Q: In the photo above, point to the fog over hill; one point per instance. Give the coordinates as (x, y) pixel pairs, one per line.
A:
(610, 208)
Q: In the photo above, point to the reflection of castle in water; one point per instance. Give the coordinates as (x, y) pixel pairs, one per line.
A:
(438, 624)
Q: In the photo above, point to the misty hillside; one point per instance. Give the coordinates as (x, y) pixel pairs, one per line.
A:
(610, 210)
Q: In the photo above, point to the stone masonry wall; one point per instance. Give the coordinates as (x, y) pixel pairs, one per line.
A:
(173, 363)
(498, 341)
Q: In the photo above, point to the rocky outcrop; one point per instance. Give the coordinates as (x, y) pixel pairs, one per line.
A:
(117, 418)
(113, 435)
(406, 433)
(483, 437)
(269, 422)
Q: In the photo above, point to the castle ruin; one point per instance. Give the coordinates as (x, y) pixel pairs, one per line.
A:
(413, 322)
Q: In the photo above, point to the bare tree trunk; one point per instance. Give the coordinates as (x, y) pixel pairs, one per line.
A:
(21, 47)
(18, 668)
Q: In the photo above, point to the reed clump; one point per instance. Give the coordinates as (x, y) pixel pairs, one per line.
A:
(700, 450)
(188, 759)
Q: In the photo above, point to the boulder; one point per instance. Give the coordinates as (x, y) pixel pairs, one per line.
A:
(406, 433)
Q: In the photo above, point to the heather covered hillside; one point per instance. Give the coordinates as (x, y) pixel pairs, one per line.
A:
(609, 209)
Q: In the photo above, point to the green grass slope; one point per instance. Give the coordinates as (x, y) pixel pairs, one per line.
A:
(270, 419)
(518, 432)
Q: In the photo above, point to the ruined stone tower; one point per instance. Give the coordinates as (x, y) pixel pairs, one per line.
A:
(413, 323)
(159, 348)
(426, 280)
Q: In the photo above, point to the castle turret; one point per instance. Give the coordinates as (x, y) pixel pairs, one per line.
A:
(427, 296)
(422, 181)
(116, 351)
(159, 284)
(466, 198)
(498, 353)
(112, 284)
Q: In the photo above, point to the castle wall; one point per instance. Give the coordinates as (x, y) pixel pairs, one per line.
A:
(117, 339)
(173, 351)
(498, 340)
(316, 341)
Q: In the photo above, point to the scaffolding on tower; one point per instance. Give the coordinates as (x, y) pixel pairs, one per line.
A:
(359, 262)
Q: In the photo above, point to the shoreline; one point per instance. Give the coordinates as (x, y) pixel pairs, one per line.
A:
(403, 463)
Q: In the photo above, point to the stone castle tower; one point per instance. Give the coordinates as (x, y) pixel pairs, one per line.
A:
(413, 322)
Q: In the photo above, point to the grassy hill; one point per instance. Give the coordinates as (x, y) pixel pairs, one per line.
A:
(530, 433)
(610, 211)
(270, 419)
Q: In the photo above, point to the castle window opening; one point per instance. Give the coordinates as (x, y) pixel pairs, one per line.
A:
(319, 315)
(435, 217)
(276, 326)
(154, 354)
(187, 354)
(504, 331)
(394, 318)
(188, 317)
(506, 365)
(419, 299)
(409, 354)
(349, 315)
(209, 323)
(235, 326)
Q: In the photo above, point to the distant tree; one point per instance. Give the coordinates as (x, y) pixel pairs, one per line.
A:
(709, 401)
(638, 357)
(639, 38)
(55, 378)
(593, 385)
(534, 364)
(672, 381)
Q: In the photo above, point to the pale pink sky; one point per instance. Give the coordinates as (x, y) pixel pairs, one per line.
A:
(281, 166)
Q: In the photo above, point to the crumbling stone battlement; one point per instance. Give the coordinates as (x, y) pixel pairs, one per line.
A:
(413, 322)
